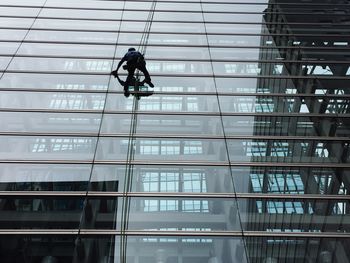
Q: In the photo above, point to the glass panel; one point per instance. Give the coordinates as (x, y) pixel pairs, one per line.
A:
(8, 48)
(167, 16)
(87, 14)
(240, 18)
(174, 39)
(23, 2)
(66, 36)
(50, 100)
(235, 40)
(155, 149)
(19, 11)
(4, 61)
(289, 249)
(56, 248)
(75, 24)
(267, 104)
(7, 34)
(66, 50)
(40, 213)
(173, 103)
(179, 6)
(44, 177)
(16, 22)
(179, 179)
(261, 85)
(175, 84)
(185, 214)
(164, 27)
(54, 81)
(64, 65)
(294, 215)
(244, 53)
(233, 29)
(293, 151)
(84, 4)
(234, 7)
(184, 249)
(283, 126)
(163, 125)
(171, 52)
(49, 122)
(46, 148)
(291, 180)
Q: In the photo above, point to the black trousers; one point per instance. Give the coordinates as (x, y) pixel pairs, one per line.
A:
(131, 71)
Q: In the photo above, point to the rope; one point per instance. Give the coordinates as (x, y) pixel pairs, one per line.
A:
(129, 169)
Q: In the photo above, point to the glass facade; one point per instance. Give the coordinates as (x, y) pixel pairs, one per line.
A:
(241, 154)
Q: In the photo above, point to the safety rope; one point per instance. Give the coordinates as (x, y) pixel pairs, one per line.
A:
(129, 169)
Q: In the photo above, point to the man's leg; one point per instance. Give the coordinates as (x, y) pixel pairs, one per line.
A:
(143, 69)
(131, 72)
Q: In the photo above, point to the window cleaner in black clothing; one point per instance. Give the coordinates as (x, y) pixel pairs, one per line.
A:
(134, 60)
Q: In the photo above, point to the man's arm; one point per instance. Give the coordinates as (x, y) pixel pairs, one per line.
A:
(120, 63)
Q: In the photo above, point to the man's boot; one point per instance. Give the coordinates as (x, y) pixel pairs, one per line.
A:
(148, 81)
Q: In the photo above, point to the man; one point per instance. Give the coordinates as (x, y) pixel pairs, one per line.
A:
(134, 60)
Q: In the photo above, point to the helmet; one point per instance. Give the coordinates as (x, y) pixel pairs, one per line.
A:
(131, 49)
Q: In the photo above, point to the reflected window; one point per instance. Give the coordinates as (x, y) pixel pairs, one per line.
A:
(175, 147)
(62, 145)
(76, 101)
(280, 183)
(183, 240)
(175, 182)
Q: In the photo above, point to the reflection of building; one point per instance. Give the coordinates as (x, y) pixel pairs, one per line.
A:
(240, 155)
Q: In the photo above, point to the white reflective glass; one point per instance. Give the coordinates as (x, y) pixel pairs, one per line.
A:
(46, 148)
(53, 81)
(49, 122)
(51, 100)
(60, 64)
(172, 103)
(66, 50)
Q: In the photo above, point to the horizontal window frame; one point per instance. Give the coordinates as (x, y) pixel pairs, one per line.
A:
(338, 36)
(182, 163)
(267, 61)
(211, 46)
(178, 136)
(179, 21)
(185, 93)
(229, 76)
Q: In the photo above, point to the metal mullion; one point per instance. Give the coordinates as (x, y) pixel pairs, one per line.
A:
(333, 48)
(183, 163)
(311, 62)
(171, 195)
(177, 33)
(96, 73)
(175, 11)
(173, 21)
(218, 3)
(92, 91)
(237, 3)
(179, 136)
(332, 115)
(178, 233)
